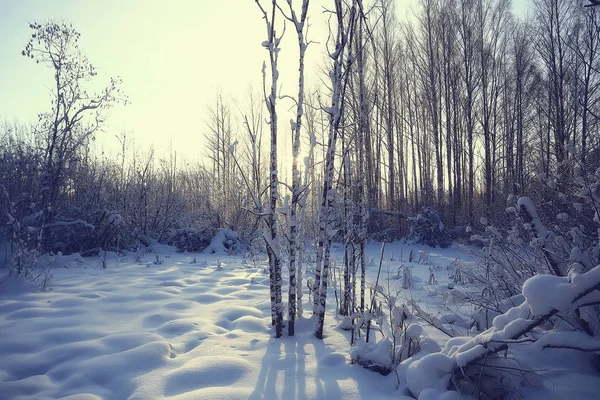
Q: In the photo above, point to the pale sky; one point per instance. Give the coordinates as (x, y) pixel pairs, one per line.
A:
(173, 56)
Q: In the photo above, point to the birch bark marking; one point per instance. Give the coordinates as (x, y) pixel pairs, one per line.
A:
(339, 78)
(270, 235)
(296, 189)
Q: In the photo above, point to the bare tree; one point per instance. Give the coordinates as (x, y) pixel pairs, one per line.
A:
(297, 190)
(553, 21)
(76, 115)
(345, 22)
(271, 235)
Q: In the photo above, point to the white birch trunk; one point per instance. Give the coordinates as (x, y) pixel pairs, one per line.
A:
(362, 126)
(301, 223)
(296, 189)
(271, 237)
(344, 36)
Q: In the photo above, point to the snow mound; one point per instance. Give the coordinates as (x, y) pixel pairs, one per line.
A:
(430, 372)
(545, 293)
(225, 242)
(177, 330)
(206, 371)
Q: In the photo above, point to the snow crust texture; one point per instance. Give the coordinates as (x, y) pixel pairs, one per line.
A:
(178, 330)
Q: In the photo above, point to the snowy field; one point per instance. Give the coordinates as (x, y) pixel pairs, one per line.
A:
(196, 326)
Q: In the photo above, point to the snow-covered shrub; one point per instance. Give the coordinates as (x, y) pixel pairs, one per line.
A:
(537, 324)
(198, 218)
(374, 356)
(539, 290)
(76, 230)
(455, 272)
(428, 228)
(225, 241)
(537, 241)
(191, 239)
(67, 236)
(399, 337)
(388, 226)
(21, 248)
(411, 340)
(458, 233)
(401, 340)
(484, 315)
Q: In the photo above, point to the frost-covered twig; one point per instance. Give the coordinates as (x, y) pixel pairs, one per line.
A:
(430, 319)
(372, 305)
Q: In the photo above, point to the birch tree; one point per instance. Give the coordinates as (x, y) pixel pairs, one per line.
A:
(345, 20)
(297, 190)
(270, 235)
(554, 19)
(362, 212)
(469, 71)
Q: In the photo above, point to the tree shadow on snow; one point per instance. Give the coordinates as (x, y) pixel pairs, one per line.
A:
(283, 368)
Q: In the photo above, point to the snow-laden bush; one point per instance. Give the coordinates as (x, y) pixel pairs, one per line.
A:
(387, 235)
(374, 356)
(20, 247)
(539, 240)
(538, 324)
(82, 231)
(208, 240)
(484, 315)
(539, 284)
(458, 234)
(504, 263)
(401, 337)
(191, 239)
(225, 241)
(428, 228)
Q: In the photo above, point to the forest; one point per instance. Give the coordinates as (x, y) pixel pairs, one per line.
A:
(461, 124)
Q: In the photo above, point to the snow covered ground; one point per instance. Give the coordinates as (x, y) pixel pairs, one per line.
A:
(179, 329)
(193, 326)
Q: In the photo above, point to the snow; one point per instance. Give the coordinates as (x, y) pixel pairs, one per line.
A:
(177, 330)
(433, 394)
(518, 312)
(527, 204)
(346, 323)
(223, 242)
(432, 371)
(414, 331)
(568, 339)
(114, 219)
(545, 293)
(198, 326)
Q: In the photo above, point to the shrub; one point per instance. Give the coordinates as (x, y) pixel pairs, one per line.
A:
(78, 231)
(191, 239)
(428, 228)
(225, 241)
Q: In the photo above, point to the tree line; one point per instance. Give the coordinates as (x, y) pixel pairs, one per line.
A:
(453, 109)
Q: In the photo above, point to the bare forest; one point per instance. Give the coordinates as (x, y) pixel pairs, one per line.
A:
(460, 123)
